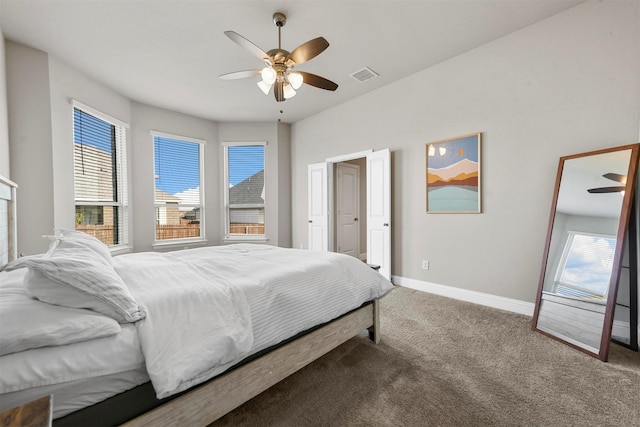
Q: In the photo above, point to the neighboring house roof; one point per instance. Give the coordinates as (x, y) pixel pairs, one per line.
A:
(248, 192)
(163, 196)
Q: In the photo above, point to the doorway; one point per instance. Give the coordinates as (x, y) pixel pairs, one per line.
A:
(377, 199)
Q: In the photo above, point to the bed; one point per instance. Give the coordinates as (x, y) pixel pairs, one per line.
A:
(186, 337)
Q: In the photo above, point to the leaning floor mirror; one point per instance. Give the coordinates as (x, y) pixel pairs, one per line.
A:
(590, 215)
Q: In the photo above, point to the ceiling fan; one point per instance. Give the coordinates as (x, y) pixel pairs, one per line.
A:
(614, 177)
(278, 72)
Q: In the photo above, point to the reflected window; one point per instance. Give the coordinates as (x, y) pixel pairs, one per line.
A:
(586, 266)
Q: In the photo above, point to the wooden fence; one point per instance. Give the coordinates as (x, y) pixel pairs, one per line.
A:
(163, 232)
(177, 231)
(237, 228)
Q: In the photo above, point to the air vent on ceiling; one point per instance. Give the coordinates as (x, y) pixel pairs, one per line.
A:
(364, 74)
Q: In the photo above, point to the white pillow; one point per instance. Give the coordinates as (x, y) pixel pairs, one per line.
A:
(78, 277)
(28, 323)
(78, 238)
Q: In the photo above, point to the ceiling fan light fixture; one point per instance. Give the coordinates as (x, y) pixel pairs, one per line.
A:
(295, 79)
(289, 92)
(268, 75)
(264, 87)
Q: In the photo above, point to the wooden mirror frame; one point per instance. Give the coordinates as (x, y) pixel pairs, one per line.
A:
(623, 225)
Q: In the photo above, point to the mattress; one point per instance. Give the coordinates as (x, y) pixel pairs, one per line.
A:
(78, 374)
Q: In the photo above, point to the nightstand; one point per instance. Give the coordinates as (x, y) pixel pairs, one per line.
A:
(37, 413)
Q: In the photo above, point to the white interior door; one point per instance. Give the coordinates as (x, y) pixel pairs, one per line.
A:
(379, 210)
(347, 209)
(319, 176)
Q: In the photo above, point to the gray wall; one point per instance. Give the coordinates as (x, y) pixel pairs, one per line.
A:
(29, 111)
(566, 85)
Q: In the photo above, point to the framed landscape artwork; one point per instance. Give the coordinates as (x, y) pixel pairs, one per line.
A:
(453, 175)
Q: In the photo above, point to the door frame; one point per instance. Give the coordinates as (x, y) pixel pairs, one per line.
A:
(383, 230)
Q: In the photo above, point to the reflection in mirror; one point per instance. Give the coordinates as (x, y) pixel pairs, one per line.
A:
(581, 266)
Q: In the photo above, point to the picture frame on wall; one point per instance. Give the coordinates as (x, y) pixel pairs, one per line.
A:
(453, 180)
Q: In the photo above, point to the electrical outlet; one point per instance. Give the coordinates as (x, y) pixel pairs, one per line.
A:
(425, 264)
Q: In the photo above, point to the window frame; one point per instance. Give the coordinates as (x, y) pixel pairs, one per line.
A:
(228, 237)
(121, 174)
(571, 234)
(188, 240)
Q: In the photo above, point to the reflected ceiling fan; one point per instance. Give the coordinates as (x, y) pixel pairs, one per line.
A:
(614, 177)
(278, 72)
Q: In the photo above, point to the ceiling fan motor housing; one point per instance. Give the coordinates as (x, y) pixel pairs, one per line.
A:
(279, 19)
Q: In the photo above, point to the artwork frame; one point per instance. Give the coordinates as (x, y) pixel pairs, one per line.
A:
(453, 174)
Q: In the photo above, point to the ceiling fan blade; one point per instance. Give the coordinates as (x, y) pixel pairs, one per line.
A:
(615, 177)
(317, 81)
(239, 74)
(246, 44)
(278, 91)
(309, 50)
(606, 190)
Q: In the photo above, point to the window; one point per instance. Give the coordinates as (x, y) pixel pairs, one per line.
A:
(244, 190)
(100, 172)
(586, 266)
(179, 192)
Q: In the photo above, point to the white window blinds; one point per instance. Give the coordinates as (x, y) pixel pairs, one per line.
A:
(178, 187)
(100, 171)
(245, 190)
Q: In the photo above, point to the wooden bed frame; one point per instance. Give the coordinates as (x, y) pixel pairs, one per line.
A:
(211, 400)
(221, 395)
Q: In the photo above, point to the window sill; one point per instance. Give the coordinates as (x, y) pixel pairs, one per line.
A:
(179, 244)
(119, 250)
(245, 239)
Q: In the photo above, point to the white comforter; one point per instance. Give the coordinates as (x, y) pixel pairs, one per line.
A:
(196, 320)
(210, 307)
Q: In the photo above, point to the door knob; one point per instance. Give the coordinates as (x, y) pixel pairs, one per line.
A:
(355, 219)
(310, 221)
(386, 224)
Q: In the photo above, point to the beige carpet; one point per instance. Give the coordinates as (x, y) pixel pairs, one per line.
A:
(444, 362)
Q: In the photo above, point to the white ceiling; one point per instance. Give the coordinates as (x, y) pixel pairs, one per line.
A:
(169, 53)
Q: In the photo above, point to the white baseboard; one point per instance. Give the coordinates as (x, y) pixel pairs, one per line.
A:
(502, 303)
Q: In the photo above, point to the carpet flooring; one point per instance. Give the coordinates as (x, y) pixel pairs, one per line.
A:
(444, 362)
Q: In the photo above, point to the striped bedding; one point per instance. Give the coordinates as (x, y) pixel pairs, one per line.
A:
(275, 294)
